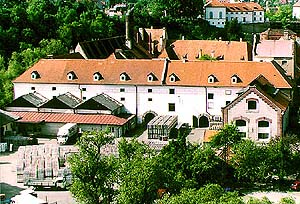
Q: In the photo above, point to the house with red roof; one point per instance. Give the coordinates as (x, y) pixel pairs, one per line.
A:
(283, 51)
(217, 13)
(194, 90)
(260, 112)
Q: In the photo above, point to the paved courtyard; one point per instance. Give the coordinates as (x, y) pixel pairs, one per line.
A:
(10, 187)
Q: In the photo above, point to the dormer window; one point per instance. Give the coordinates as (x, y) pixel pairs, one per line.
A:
(71, 76)
(97, 76)
(235, 79)
(124, 77)
(151, 77)
(35, 75)
(212, 79)
(173, 78)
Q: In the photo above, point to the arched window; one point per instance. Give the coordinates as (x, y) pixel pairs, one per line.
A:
(203, 122)
(220, 14)
(211, 15)
(150, 78)
(97, 76)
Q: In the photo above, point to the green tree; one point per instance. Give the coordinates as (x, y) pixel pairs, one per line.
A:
(139, 173)
(211, 193)
(225, 139)
(284, 14)
(93, 173)
(250, 161)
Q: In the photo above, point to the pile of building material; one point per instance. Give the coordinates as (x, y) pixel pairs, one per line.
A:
(160, 127)
(3, 147)
(44, 165)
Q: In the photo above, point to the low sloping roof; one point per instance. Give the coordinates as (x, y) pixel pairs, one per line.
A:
(297, 4)
(278, 32)
(227, 50)
(7, 117)
(69, 99)
(189, 73)
(275, 48)
(66, 100)
(55, 71)
(29, 100)
(237, 7)
(155, 33)
(96, 119)
(106, 101)
(278, 99)
(100, 49)
(197, 73)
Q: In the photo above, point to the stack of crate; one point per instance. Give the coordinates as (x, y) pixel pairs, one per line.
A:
(42, 162)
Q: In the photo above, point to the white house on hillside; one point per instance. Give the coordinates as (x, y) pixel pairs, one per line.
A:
(296, 10)
(195, 91)
(218, 13)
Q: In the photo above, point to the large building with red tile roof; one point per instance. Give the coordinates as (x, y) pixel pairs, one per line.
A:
(218, 49)
(218, 13)
(193, 90)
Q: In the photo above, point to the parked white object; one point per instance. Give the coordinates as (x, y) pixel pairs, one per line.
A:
(66, 131)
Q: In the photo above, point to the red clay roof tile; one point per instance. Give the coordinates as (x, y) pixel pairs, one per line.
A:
(37, 117)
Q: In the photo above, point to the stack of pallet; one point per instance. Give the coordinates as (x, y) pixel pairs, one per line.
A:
(41, 162)
(160, 127)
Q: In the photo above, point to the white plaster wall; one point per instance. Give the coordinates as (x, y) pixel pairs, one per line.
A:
(264, 110)
(221, 95)
(45, 89)
(21, 109)
(54, 110)
(296, 12)
(84, 111)
(258, 17)
(189, 101)
(216, 21)
(239, 15)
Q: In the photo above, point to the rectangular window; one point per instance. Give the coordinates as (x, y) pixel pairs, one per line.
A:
(210, 105)
(227, 102)
(83, 89)
(53, 88)
(84, 98)
(263, 136)
(244, 19)
(122, 99)
(149, 99)
(122, 90)
(32, 88)
(149, 90)
(112, 129)
(243, 134)
(171, 107)
(252, 105)
(171, 91)
(210, 96)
